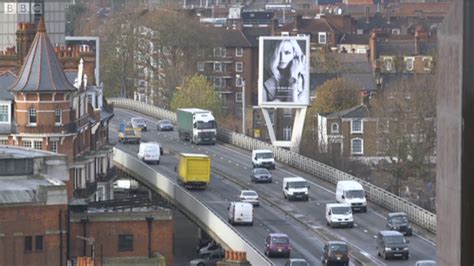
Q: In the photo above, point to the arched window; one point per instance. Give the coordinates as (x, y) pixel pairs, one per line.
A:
(334, 128)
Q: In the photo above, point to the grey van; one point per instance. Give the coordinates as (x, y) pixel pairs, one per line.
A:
(392, 244)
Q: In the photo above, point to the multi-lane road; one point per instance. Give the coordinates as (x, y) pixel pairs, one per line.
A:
(304, 222)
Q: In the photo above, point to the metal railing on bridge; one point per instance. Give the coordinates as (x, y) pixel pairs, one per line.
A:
(377, 195)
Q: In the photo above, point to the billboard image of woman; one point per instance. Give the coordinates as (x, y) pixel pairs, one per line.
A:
(285, 72)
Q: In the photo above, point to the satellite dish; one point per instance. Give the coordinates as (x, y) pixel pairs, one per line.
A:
(339, 11)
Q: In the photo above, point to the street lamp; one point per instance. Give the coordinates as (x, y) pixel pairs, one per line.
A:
(243, 103)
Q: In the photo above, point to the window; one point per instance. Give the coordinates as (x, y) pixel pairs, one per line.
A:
(287, 133)
(200, 66)
(396, 31)
(217, 82)
(27, 143)
(4, 114)
(357, 146)
(219, 52)
(238, 82)
(54, 146)
(409, 63)
(388, 63)
(239, 67)
(239, 52)
(426, 64)
(287, 112)
(356, 126)
(32, 116)
(334, 128)
(322, 37)
(217, 67)
(58, 113)
(28, 243)
(238, 97)
(39, 243)
(3, 141)
(38, 145)
(125, 242)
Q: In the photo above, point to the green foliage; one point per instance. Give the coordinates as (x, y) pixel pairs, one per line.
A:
(197, 92)
(336, 95)
(324, 61)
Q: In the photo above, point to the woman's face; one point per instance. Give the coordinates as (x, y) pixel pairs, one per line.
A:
(286, 54)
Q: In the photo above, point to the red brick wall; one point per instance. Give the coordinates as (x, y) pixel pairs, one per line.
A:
(31, 221)
(106, 234)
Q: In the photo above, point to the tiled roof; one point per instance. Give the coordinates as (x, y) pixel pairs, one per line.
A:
(404, 47)
(252, 34)
(359, 111)
(71, 75)
(362, 39)
(229, 38)
(42, 70)
(6, 80)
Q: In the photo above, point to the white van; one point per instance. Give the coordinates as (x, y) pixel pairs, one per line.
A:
(351, 192)
(339, 214)
(295, 188)
(150, 152)
(240, 213)
(263, 159)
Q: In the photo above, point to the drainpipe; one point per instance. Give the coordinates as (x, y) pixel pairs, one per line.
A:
(149, 220)
(60, 238)
(84, 222)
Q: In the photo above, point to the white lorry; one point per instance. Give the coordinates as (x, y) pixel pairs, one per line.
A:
(351, 192)
(263, 159)
(295, 188)
(196, 125)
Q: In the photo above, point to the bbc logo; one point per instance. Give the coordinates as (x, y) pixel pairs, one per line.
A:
(23, 8)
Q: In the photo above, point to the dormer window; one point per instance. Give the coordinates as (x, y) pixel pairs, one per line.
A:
(32, 117)
(334, 128)
(4, 113)
(388, 63)
(322, 37)
(409, 63)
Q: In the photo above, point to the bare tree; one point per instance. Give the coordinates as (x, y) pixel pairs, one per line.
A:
(406, 113)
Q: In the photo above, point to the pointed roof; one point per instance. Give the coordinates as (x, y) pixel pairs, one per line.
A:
(41, 71)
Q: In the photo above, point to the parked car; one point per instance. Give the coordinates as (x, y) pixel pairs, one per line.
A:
(209, 261)
(277, 244)
(425, 263)
(296, 262)
(211, 250)
(164, 125)
(138, 122)
(335, 253)
(249, 196)
(392, 244)
(398, 221)
(261, 175)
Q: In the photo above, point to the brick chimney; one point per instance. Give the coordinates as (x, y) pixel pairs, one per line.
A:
(373, 48)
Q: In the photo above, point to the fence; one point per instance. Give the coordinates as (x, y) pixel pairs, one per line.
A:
(375, 194)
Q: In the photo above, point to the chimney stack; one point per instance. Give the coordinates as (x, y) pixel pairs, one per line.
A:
(373, 48)
(367, 14)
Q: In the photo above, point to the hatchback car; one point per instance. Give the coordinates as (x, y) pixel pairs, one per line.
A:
(164, 125)
(335, 253)
(208, 261)
(425, 263)
(296, 262)
(261, 175)
(277, 244)
(249, 196)
(398, 221)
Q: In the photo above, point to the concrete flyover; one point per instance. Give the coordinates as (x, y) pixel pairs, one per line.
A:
(190, 205)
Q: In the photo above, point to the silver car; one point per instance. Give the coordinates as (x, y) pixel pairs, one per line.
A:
(249, 196)
(209, 261)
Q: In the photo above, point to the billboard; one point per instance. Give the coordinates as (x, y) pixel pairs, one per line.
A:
(283, 71)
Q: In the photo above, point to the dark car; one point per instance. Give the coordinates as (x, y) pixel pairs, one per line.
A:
(335, 253)
(398, 221)
(164, 125)
(277, 244)
(261, 175)
(392, 244)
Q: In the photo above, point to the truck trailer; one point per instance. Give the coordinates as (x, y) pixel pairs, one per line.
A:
(197, 126)
(194, 170)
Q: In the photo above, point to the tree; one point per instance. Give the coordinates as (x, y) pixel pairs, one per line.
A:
(325, 61)
(197, 92)
(406, 111)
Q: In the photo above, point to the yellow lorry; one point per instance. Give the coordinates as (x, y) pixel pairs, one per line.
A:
(127, 133)
(194, 170)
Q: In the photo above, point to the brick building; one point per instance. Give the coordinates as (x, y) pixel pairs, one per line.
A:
(33, 207)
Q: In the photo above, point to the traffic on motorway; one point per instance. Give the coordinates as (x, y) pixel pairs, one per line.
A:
(369, 235)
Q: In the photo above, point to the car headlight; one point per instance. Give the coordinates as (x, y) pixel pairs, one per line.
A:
(388, 249)
(405, 248)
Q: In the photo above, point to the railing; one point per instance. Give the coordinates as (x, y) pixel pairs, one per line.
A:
(189, 204)
(377, 195)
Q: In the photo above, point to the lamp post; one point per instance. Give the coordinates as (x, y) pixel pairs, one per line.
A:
(243, 104)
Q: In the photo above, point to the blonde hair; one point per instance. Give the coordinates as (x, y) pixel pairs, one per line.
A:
(297, 52)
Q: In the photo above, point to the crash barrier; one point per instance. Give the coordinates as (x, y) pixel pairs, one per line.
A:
(189, 204)
(375, 194)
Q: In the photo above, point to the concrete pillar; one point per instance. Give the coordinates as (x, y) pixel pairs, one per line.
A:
(455, 137)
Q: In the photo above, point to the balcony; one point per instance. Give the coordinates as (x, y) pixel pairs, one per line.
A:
(38, 129)
(91, 188)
